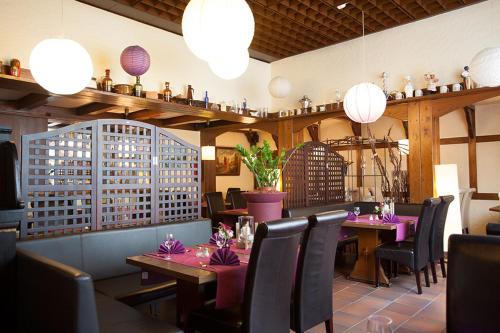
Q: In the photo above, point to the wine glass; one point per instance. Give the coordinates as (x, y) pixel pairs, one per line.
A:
(169, 243)
(379, 324)
(357, 211)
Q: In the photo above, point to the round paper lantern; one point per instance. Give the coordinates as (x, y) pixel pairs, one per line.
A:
(135, 60)
(230, 65)
(364, 103)
(210, 27)
(485, 67)
(279, 87)
(62, 66)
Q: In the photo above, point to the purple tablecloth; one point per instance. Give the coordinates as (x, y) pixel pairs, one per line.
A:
(230, 279)
(402, 228)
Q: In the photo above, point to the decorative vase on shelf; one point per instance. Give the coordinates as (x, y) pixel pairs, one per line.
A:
(408, 87)
(137, 87)
(167, 93)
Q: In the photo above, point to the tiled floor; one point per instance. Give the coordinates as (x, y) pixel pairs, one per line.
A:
(354, 302)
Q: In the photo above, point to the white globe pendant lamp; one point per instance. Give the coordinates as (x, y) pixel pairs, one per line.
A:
(231, 64)
(62, 66)
(279, 87)
(210, 27)
(485, 67)
(364, 103)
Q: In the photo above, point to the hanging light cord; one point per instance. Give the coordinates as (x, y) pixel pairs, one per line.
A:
(62, 18)
(364, 44)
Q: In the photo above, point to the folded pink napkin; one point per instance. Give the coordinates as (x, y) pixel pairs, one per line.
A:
(224, 257)
(390, 218)
(215, 236)
(177, 248)
(351, 216)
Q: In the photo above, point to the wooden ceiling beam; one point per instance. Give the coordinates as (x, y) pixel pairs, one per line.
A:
(31, 101)
(180, 120)
(95, 108)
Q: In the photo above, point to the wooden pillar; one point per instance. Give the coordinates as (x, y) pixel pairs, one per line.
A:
(423, 134)
(208, 179)
(285, 135)
(470, 117)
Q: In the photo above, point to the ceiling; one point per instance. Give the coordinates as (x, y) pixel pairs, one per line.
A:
(285, 28)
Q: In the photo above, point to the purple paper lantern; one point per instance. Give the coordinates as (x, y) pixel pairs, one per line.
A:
(135, 60)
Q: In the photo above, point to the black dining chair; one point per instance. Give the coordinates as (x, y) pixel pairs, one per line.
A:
(268, 285)
(493, 229)
(237, 200)
(312, 297)
(229, 190)
(215, 204)
(436, 241)
(414, 254)
(472, 293)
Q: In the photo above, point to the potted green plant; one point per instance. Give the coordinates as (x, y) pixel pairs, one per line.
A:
(264, 204)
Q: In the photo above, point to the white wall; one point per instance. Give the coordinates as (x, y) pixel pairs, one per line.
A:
(443, 44)
(26, 22)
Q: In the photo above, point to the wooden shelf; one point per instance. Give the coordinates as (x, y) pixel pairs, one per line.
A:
(91, 101)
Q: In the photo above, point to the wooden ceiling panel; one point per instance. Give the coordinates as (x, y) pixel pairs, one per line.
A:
(285, 28)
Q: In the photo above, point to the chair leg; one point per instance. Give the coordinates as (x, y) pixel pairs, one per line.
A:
(419, 284)
(390, 269)
(329, 326)
(433, 270)
(426, 275)
(395, 268)
(443, 267)
(377, 271)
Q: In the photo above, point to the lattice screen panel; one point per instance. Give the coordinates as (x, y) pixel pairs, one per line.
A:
(313, 176)
(178, 180)
(57, 181)
(106, 174)
(126, 174)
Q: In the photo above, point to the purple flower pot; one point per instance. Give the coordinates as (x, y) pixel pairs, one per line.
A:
(264, 206)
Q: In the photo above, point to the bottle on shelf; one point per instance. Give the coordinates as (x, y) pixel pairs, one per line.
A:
(137, 87)
(206, 99)
(190, 92)
(107, 82)
(223, 106)
(167, 93)
(244, 104)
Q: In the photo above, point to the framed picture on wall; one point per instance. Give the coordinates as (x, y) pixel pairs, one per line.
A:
(227, 161)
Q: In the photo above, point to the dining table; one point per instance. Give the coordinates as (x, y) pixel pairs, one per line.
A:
(370, 232)
(193, 273)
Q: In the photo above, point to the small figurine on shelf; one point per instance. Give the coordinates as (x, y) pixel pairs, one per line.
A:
(432, 80)
(223, 106)
(467, 78)
(189, 95)
(167, 93)
(338, 98)
(206, 99)
(138, 87)
(244, 104)
(107, 83)
(15, 68)
(385, 88)
(408, 87)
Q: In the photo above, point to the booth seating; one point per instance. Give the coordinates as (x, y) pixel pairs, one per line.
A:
(101, 256)
(364, 206)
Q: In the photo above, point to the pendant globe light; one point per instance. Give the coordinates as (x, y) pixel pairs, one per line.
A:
(210, 27)
(61, 65)
(279, 87)
(365, 102)
(230, 65)
(485, 67)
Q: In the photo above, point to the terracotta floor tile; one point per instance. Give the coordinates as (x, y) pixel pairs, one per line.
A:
(405, 309)
(348, 295)
(397, 318)
(361, 308)
(360, 289)
(386, 293)
(412, 299)
(346, 319)
(419, 324)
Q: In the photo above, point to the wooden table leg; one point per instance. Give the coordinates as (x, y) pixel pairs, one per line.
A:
(364, 269)
(189, 297)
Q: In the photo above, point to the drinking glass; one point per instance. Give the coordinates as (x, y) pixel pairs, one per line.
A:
(243, 220)
(357, 211)
(379, 324)
(169, 242)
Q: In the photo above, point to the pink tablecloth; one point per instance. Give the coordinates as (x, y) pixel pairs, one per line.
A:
(230, 279)
(402, 228)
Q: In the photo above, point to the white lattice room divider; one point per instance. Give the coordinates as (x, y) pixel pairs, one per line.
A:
(106, 174)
